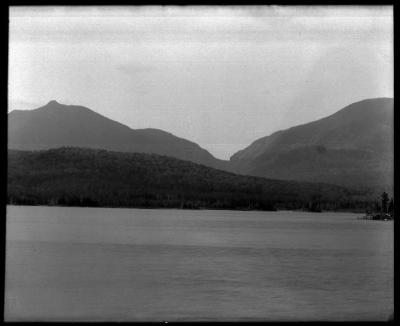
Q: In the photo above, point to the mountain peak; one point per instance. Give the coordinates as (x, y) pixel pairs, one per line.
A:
(55, 125)
(53, 102)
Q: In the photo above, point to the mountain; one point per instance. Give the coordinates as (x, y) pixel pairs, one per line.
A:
(90, 177)
(353, 147)
(55, 125)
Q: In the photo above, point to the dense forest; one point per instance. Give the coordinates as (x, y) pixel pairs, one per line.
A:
(88, 177)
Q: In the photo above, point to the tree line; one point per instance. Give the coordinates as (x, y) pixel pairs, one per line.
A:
(99, 178)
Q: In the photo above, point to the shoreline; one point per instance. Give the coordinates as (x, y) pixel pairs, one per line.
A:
(198, 209)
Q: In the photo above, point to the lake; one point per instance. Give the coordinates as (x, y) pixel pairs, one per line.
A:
(108, 264)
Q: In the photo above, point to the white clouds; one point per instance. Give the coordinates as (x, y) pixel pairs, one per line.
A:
(212, 75)
(199, 25)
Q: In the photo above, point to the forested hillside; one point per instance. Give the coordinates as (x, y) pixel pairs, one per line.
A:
(89, 177)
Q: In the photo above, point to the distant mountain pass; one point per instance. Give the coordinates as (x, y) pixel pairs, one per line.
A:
(353, 147)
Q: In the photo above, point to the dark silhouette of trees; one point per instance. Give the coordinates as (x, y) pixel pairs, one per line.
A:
(391, 207)
(88, 177)
(385, 200)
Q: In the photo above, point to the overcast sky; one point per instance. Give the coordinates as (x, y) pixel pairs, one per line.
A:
(219, 76)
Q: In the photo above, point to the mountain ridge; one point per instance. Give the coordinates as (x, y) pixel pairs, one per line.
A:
(55, 125)
(362, 130)
(352, 147)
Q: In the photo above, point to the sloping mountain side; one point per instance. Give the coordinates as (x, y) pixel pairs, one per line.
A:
(89, 177)
(56, 125)
(353, 148)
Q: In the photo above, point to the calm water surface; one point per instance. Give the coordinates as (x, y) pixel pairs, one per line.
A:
(100, 264)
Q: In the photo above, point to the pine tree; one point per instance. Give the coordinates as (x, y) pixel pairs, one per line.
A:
(385, 199)
(391, 207)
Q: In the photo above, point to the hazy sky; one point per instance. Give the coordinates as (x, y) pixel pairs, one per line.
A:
(219, 76)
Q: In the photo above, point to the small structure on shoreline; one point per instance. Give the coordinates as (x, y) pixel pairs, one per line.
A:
(376, 217)
(383, 212)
